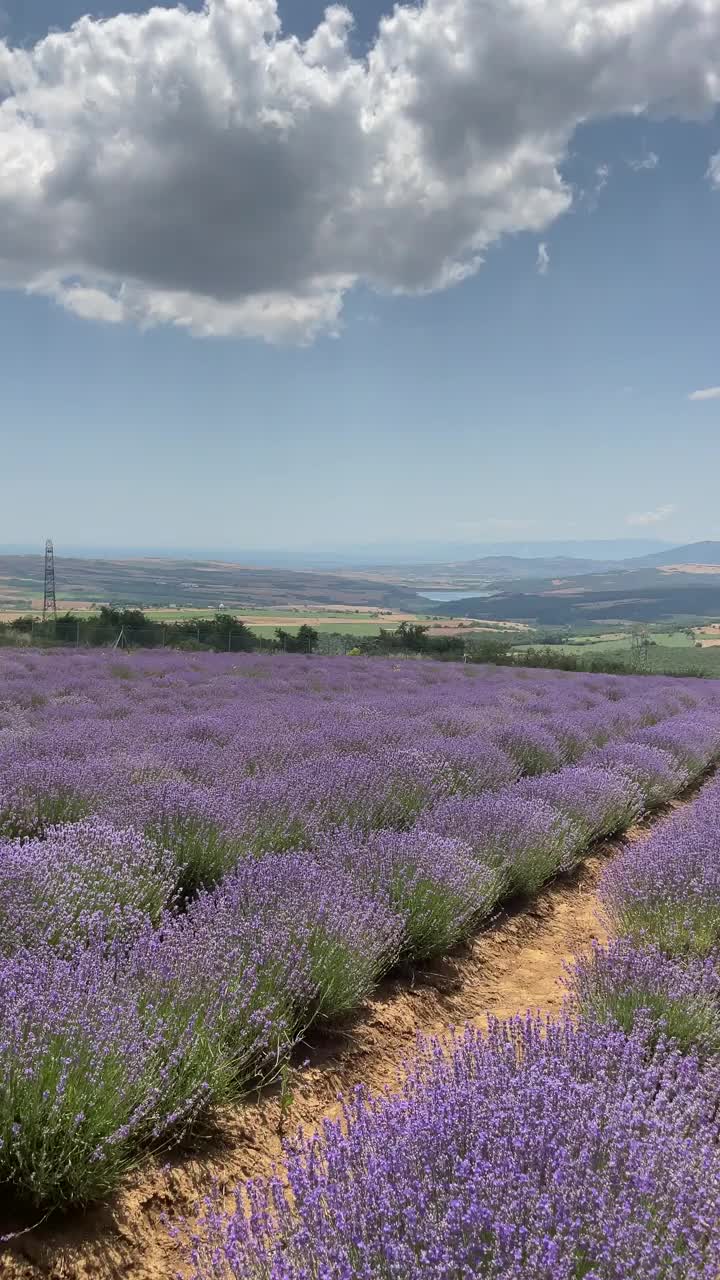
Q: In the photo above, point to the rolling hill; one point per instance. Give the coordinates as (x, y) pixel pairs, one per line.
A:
(201, 583)
(695, 553)
(582, 607)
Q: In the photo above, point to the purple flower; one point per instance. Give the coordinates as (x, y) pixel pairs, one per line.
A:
(667, 889)
(84, 880)
(622, 983)
(436, 886)
(523, 842)
(538, 1151)
(598, 801)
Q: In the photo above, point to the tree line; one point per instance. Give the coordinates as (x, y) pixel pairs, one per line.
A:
(131, 628)
(226, 633)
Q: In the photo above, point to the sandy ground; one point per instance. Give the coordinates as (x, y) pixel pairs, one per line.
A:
(513, 966)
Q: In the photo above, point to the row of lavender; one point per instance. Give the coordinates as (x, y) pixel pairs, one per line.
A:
(218, 757)
(585, 1148)
(131, 1002)
(661, 900)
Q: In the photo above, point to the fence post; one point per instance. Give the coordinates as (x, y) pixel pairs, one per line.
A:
(229, 638)
(77, 634)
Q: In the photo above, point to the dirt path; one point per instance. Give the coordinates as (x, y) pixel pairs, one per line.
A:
(509, 968)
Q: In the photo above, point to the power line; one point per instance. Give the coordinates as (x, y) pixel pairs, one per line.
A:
(49, 603)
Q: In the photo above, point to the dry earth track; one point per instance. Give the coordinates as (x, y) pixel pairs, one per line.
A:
(513, 966)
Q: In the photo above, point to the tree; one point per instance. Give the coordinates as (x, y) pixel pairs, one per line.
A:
(132, 618)
(22, 624)
(412, 636)
(306, 640)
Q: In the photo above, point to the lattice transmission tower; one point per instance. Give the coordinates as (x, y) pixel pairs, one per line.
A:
(49, 604)
(640, 646)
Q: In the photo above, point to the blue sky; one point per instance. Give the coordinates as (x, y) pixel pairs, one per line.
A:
(544, 396)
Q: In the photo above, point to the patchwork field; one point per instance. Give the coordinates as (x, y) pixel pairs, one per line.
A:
(201, 583)
(210, 863)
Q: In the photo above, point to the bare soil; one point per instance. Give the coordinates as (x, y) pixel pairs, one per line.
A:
(514, 965)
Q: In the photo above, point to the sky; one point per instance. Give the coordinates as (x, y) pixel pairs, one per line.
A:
(269, 279)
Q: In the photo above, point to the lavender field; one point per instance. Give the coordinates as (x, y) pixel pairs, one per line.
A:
(202, 856)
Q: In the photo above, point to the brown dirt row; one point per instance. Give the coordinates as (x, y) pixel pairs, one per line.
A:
(513, 966)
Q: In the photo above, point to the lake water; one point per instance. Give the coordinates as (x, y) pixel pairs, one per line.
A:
(444, 597)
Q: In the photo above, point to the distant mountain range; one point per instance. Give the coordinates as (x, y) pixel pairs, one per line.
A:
(677, 583)
(375, 555)
(693, 553)
(496, 572)
(555, 589)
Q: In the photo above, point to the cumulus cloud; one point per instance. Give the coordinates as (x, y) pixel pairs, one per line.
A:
(543, 259)
(706, 393)
(652, 517)
(649, 161)
(713, 172)
(206, 170)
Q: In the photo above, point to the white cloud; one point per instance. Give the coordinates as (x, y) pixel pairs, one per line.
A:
(713, 172)
(650, 160)
(706, 393)
(652, 517)
(92, 304)
(204, 170)
(543, 259)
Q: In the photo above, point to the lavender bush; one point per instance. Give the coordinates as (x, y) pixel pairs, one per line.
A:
(540, 1153)
(693, 738)
(472, 764)
(106, 1053)
(339, 935)
(522, 842)
(666, 890)
(657, 773)
(621, 984)
(533, 747)
(84, 879)
(196, 823)
(436, 886)
(42, 795)
(88, 1075)
(598, 802)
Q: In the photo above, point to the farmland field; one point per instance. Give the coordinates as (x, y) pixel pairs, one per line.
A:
(362, 621)
(207, 859)
(694, 651)
(619, 641)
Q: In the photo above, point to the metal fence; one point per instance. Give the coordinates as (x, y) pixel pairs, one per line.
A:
(77, 634)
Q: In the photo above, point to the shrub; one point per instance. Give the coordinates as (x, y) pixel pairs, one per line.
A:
(524, 842)
(623, 984)
(539, 1151)
(81, 879)
(598, 802)
(658, 773)
(435, 885)
(666, 890)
